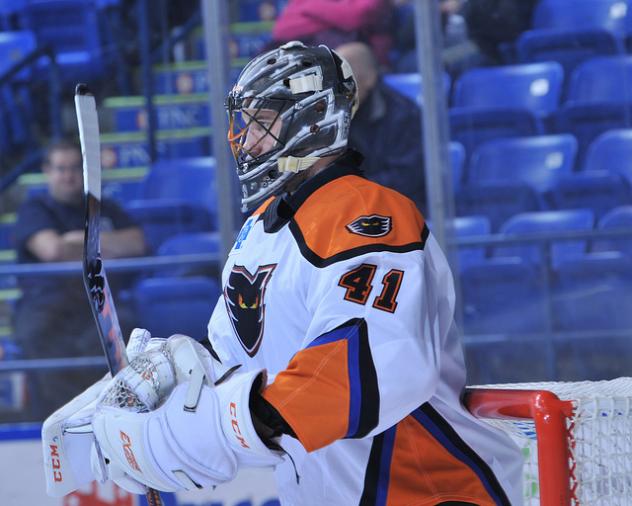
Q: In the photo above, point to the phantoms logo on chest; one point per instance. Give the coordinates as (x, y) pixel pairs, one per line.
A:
(244, 297)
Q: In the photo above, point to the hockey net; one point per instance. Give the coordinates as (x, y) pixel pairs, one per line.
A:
(576, 437)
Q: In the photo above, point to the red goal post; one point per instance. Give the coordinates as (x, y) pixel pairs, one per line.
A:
(576, 437)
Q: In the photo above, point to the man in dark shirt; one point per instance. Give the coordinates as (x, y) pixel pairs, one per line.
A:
(53, 317)
(386, 128)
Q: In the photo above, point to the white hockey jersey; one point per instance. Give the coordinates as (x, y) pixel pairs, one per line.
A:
(344, 296)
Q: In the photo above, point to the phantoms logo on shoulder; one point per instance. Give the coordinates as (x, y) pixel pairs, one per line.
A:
(374, 225)
(244, 297)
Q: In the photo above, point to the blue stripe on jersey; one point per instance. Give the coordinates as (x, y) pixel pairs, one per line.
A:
(443, 432)
(385, 466)
(351, 334)
(355, 392)
(335, 335)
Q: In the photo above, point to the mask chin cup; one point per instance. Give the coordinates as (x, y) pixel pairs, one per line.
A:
(296, 164)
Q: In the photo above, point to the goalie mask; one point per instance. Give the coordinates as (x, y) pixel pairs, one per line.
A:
(290, 107)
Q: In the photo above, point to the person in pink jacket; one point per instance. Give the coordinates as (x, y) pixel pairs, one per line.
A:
(333, 23)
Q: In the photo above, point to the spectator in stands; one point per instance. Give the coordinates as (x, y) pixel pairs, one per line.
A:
(459, 53)
(53, 317)
(386, 128)
(334, 23)
(492, 24)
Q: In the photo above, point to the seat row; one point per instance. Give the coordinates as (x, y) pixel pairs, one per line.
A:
(546, 250)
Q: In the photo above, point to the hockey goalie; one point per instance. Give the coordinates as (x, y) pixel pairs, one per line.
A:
(332, 354)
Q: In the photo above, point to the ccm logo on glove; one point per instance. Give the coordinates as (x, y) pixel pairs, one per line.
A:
(233, 420)
(55, 462)
(129, 454)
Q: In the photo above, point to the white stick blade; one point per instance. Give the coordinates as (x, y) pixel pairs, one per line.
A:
(90, 145)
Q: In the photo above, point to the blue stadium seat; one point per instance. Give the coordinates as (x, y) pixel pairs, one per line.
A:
(410, 85)
(594, 292)
(593, 295)
(457, 161)
(585, 14)
(15, 101)
(611, 151)
(587, 121)
(475, 126)
(601, 79)
(569, 48)
(497, 201)
(190, 179)
(8, 12)
(71, 28)
(547, 222)
(164, 218)
(503, 295)
(599, 191)
(538, 161)
(207, 243)
(469, 226)
(617, 219)
(14, 46)
(166, 306)
(533, 86)
(201, 242)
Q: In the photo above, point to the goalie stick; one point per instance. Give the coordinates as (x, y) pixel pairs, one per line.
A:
(94, 277)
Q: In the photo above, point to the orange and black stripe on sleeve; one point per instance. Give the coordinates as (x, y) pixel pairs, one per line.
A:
(329, 390)
(321, 225)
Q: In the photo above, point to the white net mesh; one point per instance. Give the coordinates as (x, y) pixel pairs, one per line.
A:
(602, 434)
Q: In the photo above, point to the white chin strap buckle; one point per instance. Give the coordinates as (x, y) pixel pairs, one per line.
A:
(296, 164)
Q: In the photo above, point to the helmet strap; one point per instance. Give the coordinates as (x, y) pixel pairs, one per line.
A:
(296, 164)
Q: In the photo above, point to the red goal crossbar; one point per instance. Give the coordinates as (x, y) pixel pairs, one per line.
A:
(554, 441)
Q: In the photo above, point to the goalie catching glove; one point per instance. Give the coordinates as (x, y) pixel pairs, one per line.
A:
(67, 434)
(159, 422)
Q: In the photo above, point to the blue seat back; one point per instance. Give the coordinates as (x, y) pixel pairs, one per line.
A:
(533, 86)
(611, 151)
(203, 243)
(547, 222)
(575, 14)
(474, 126)
(411, 86)
(593, 293)
(601, 79)
(164, 218)
(189, 179)
(599, 191)
(567, 47)
(70, 26)
(14, 46)
(616, 219)
(587, 121)
(169, 305)
(497, 201)
(200, 242)
(468, 226)
(503, 296)
(538, 161)
(457, 161)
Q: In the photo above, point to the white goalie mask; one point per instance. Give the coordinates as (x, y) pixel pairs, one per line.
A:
(290, 107)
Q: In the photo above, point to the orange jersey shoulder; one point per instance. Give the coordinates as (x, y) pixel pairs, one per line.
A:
(350, 216)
